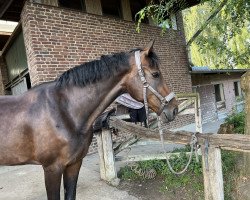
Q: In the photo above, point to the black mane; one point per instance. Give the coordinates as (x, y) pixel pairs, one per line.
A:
(107, 66)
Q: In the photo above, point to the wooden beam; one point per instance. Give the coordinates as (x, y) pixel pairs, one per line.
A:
(197, 110)
(5, 33)
(245, 85)
(185, 104)
(126, 11)
(187, 111)
(101, 156)
(213, 178)
(234, 142)
(93, 6)
(4, 7)
(125, 144)
(186, 95)
(107, 159)
(143, 157)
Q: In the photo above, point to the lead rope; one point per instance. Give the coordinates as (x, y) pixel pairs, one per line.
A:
(145, 102)
(192, 143)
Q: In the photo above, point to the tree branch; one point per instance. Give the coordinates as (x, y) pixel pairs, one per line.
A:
(216, 11)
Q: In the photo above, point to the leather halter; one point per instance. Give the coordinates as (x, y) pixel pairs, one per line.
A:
(164, 100)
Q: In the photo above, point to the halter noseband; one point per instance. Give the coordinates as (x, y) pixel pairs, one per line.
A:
(164, 100)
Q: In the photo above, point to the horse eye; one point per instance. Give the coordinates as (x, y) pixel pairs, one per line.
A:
(156, 74)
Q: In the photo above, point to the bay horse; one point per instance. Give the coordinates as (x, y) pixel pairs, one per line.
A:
(51, 124)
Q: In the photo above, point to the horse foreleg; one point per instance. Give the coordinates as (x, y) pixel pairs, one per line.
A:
(70, 177)
(53, 176)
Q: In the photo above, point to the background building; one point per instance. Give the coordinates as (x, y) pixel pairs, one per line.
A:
(219, 90)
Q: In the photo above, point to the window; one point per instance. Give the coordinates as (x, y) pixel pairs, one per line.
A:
(112, 8)
(74, 4)
(219, 92)
(237, 89)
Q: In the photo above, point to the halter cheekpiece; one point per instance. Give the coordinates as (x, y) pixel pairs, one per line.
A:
(164, 100)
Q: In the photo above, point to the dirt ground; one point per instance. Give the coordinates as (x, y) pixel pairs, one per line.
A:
(153, 189)
(144, 190)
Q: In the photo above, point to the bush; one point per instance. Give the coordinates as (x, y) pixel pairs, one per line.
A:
(238, 121)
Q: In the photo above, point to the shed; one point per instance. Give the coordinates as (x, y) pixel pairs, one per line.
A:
(219, 90)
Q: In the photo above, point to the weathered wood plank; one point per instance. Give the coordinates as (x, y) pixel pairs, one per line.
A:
(143, 157)
(186, 95)
(132, 140)
(187, 111)
(225, 141)
(109, 159)
(245, 85)
(213, 178)
(185, 104)
(101, 156)
(198, 119)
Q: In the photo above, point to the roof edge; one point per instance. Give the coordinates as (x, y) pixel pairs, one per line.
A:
(220, 71)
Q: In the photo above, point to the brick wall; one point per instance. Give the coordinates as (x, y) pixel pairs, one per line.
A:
(57, 39)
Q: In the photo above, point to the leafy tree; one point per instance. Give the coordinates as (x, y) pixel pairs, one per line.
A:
(223, 42)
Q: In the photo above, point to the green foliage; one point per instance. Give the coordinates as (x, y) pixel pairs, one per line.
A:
(224, 43)
(126, 173)
(238, 121)
(192, 180)
(159, 13)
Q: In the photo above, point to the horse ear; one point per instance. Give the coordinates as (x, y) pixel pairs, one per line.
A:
(149, 47)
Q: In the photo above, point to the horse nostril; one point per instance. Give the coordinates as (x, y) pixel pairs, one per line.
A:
(175, 112)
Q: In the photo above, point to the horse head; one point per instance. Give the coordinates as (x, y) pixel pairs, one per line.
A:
(145, 83)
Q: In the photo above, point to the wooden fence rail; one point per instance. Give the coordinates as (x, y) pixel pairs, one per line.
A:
(233, 142)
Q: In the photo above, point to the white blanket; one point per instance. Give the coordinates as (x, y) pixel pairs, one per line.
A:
(128, 101)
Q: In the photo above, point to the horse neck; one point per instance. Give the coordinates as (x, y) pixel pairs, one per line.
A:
(87, 103)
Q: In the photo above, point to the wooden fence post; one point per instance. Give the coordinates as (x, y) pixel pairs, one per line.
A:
(212, 173)
(107, 158)
(198, 118)
(245, 85)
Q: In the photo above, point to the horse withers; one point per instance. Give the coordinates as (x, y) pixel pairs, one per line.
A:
(51, 124)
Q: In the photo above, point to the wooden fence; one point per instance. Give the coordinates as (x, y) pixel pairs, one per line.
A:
(213, 178)
(211, 157)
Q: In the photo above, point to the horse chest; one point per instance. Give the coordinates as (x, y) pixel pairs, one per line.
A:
(78, 146)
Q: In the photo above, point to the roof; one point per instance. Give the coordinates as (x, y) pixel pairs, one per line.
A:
(207, 70)
(11, 9)
(6, 29)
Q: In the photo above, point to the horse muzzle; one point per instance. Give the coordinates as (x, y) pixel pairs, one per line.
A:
(169, 113)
